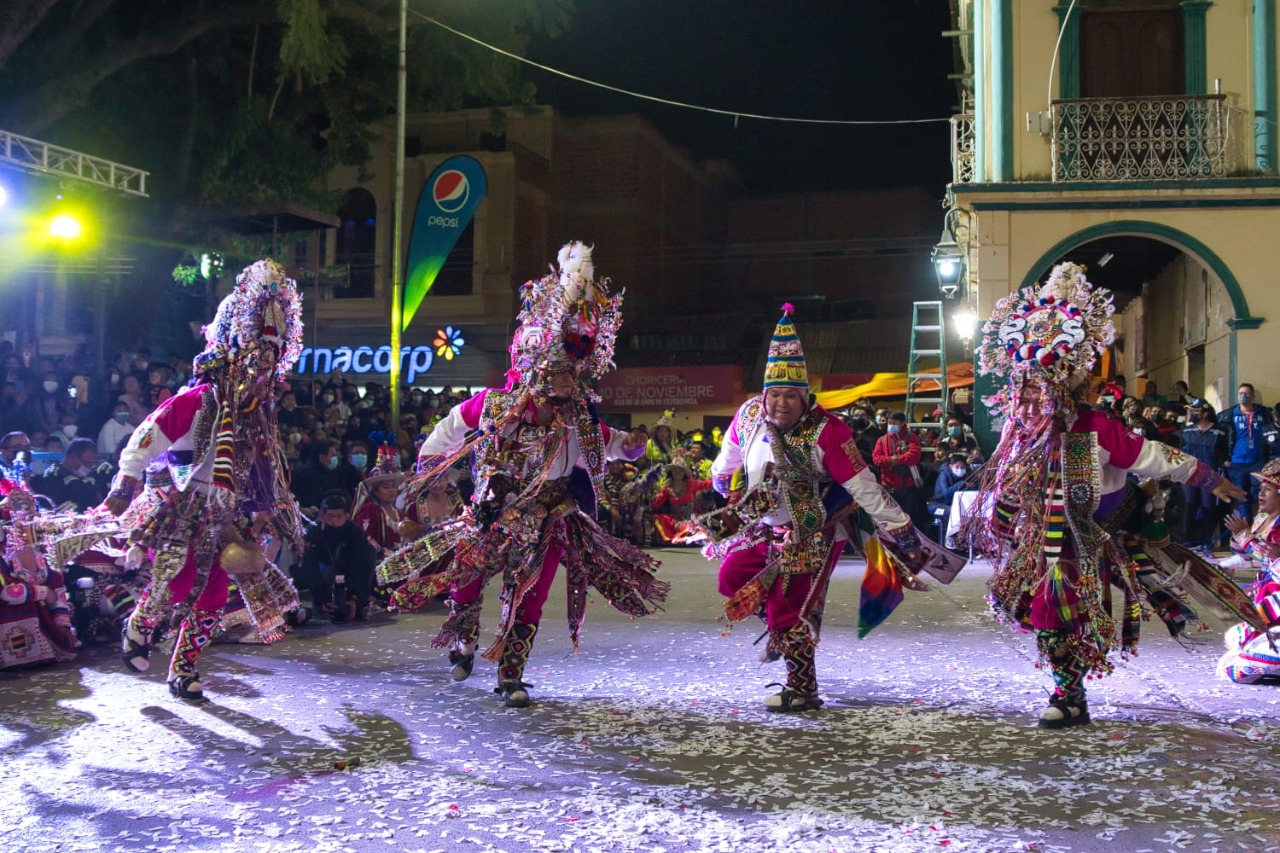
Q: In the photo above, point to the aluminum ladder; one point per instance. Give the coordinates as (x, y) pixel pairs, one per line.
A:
(927, 365)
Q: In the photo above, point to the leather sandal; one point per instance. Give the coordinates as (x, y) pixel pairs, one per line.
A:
(514, 693)
(1064, 713)
(187, 687)
(462, 662)
(136, 655)
(792, 701)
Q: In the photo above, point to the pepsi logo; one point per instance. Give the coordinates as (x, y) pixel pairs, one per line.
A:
(451, 191)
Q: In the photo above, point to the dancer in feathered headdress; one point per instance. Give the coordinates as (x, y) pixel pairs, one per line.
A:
(219, 444)
(1056, 523)
(539, 465)
(788, 526)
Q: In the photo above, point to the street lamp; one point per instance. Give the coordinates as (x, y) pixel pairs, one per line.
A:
(948, 261)
(966, 325)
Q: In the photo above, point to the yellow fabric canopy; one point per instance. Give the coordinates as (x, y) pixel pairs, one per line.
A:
(892, 385)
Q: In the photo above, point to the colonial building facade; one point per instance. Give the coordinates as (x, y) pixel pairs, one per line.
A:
(1139, 138)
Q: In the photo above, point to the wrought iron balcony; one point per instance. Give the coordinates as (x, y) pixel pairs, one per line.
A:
(1163, 138)
(962, 150)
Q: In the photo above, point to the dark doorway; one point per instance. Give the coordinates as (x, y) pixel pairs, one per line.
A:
(1131, 49)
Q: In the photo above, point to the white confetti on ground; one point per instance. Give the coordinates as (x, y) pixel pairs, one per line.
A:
(651, 739)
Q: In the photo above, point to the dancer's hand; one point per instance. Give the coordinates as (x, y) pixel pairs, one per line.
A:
(634, 439)
(1230, 492)
(116, 506)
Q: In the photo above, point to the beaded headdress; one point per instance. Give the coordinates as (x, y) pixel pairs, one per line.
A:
(1051, 334)
(263, 308)
(568, 320)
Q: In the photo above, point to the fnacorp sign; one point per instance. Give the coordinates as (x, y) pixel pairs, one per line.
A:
(415, 362)
(671, 388)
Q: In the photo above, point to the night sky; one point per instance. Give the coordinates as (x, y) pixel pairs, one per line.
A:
(841, 59)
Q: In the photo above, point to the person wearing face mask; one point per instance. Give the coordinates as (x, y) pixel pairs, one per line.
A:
(950, 480)
(15, 457)
(318, 476)
(351, 471)
(897, 455)
(74, 484)
(956, 440)
(116, 429)
(68, 430)
(1245, 425)
(46, 405)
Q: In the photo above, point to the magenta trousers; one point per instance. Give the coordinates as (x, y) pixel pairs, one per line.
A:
(781, 610)
(529, 610)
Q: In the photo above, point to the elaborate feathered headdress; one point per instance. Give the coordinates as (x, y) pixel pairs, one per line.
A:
(568, 320)
(265, 308)
(1051, 334)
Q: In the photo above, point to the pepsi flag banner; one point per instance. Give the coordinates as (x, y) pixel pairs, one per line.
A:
(448, 201)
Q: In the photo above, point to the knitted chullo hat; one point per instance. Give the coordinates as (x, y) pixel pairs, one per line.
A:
(785, 367)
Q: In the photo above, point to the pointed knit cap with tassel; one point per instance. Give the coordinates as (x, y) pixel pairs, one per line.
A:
(785, 367)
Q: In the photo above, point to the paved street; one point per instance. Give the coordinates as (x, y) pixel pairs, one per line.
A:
(652, 738)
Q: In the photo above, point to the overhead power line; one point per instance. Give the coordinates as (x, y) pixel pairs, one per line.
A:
(734, 114)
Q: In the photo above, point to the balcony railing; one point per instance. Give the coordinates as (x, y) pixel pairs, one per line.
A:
(1163, 138)
(962, 152)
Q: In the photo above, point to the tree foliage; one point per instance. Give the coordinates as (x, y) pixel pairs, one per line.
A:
(247, 101)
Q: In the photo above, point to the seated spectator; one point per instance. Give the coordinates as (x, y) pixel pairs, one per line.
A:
(158, 389)
(952, 479)
(287, 413)
(68, 429)
(76, 483)
(132, 396)
(317, 477)
(115, 430)
(375, 510)
(15, 457)
(1251, 655)
(673, 505)
(351, 471)
(1258, 541)
(338, 563)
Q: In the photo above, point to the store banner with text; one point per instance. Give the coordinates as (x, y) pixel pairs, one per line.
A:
(671, 387)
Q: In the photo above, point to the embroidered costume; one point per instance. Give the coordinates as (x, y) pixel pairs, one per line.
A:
(1253, 654)
(539, 453)
(673, 506)
(1054, 514)
(219, 443)
(35, 612)
(786, 529)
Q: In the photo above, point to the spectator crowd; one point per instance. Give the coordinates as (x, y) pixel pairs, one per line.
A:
(62, 428)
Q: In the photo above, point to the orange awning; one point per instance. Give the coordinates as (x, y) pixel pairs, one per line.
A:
(893, 385)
